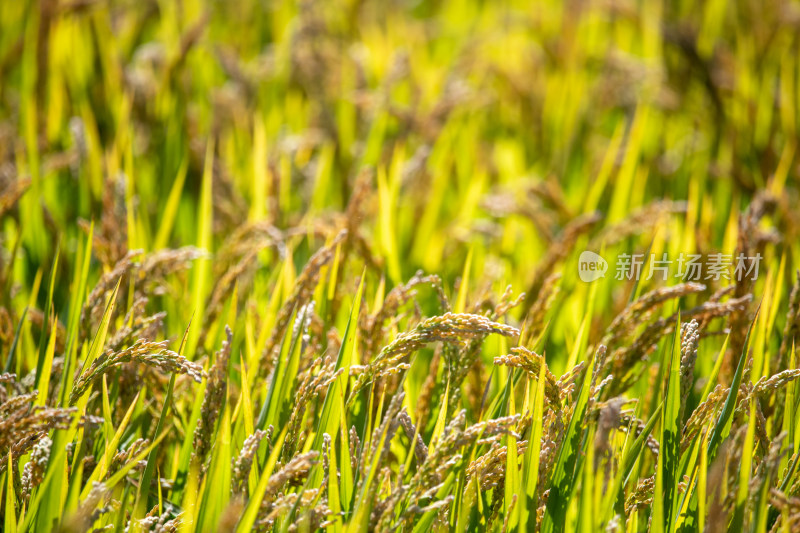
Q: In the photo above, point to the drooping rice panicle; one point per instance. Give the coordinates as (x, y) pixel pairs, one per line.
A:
(304, 286)
(690, 336)
(531, 362)
(569, 236)
(214, 398)
(155, 354)
(243, 463)
(449, 328)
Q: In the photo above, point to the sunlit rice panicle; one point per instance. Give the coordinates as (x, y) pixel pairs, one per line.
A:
(462, 361)
(506, 303)
(642, 495)
(630, 318)
(702, 413)
(384, 432)
(420, 450)
(716, 398)
(608, 421)
(566, 383)
(690, 336)
(490, 468)
(623, 361)
(534, 321)
(313, 383)
(243, 463)
(556, 252)
(214, 399)
(163, 523)
(326, 459)
(776, 382)
(627, 420)
(789, 507)
(398, 296)
(156, 266)
(148, 273)
(751, 239)
(21, 424)
(428, 389)
(769, 466)
(94, 306)
(17, 403)
(224, 287)
(231, 515)
(445, 453)
(87, 512)
(553, 433)
(716, 297)
(153, 354)
(354, 214)
(759, 421)
(303, 503)
(10, 196)
(599, 362)
(6, 377)
(36, 466)
(354, 443)
(530, 362)
(136, 325)
(450, 328)
(302, 323)
(123, 456)
(247, 238)
(39, 322)
(640, 221)
(304, 287)
(597, 391)
(294, 472)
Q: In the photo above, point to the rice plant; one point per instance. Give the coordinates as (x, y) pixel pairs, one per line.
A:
(399, 266)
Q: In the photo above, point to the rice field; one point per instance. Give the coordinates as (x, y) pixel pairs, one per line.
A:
(399, 266)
